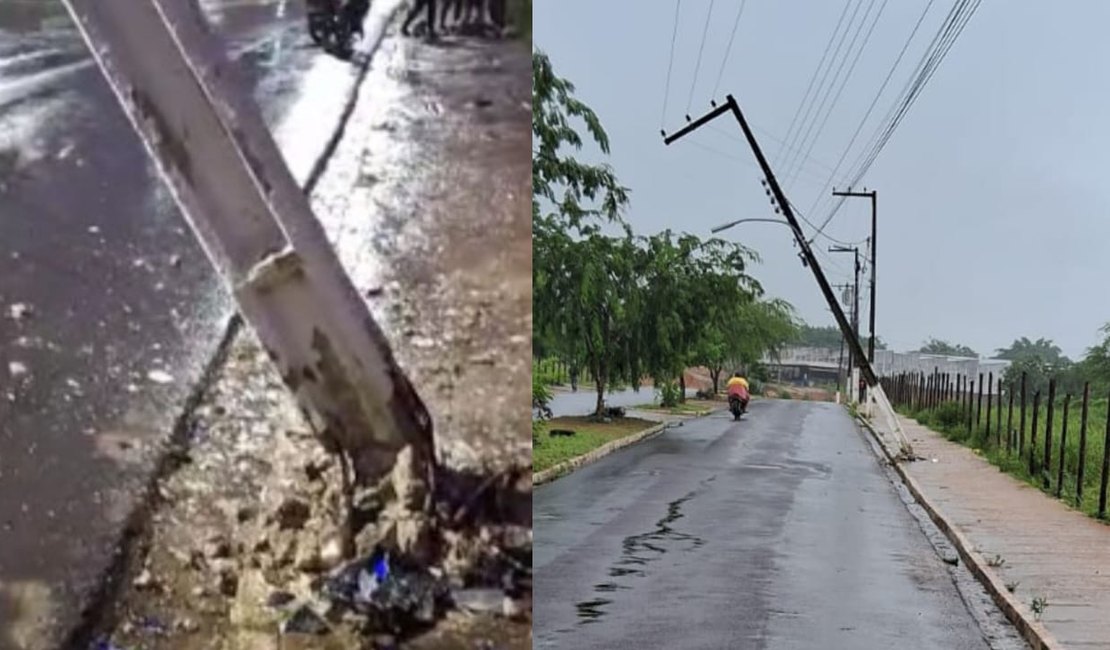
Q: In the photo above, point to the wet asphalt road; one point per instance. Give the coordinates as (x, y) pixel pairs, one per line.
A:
(109, 310)
(781, 531)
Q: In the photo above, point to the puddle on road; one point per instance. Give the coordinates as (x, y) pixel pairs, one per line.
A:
(638, 551)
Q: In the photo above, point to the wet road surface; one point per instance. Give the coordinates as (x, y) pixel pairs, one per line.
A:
(109, 310)
(781, 531)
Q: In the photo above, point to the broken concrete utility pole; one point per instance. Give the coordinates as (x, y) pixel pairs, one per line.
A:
(808, 258)
(209, 141)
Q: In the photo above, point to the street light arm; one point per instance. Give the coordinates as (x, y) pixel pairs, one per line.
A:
(730, 224)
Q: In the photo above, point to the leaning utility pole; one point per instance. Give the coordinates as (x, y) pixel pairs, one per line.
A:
(779, 198)
(874, 227)
(196, 117)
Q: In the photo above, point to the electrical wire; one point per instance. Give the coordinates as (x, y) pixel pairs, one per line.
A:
(817, 71)
(953, 26)
(825, 75)
(844, 82)
(926, 68)
(701, 49)
(874, 103)
(670, 65)
(728, 49)
(738, 139)
(740, 159)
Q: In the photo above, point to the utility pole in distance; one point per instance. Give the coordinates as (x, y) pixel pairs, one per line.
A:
(855, 302)
(855, 287)
(783, 204)
(874, 228)
(840, 380)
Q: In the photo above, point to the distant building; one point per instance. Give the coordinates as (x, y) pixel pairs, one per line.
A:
(805, 366)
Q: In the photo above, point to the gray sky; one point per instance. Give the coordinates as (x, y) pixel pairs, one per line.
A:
(993, 192)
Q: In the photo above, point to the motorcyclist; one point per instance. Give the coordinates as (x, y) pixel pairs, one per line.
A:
(737, 387)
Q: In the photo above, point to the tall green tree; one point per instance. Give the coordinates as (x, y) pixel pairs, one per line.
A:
(1096, 365)
(688, 283)
(829, 336)
(589, 302)
(937, 346)
(1042, 349)
(741, 334)
(1040, 360)
(580, 278)
(577, 195)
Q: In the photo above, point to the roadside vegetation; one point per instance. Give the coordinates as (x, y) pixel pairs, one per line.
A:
(1040, 361)
(589, 434)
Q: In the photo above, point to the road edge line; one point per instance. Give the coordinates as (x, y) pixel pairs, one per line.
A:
(568, 466)
(98, 605)
(1033, 631)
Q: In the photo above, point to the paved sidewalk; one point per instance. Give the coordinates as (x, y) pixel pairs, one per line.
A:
(1048, 549)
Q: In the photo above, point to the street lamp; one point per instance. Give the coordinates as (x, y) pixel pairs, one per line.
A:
(730, 224)
(797, 235)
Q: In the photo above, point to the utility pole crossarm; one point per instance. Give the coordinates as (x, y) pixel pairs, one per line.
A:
(689, 128)
(784, 205)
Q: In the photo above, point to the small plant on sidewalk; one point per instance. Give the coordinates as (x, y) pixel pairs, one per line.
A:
(1039, 605)
(1012, 586)
(996, 562)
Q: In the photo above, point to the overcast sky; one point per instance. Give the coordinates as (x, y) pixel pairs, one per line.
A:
(993, 191)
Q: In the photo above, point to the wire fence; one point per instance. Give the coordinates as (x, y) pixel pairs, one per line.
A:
(1043, 437)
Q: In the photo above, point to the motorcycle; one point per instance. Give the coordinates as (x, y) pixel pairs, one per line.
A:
(737, 406)
(334, 24)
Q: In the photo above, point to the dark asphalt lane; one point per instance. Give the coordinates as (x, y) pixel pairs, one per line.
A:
(780, 531)
(109, 310)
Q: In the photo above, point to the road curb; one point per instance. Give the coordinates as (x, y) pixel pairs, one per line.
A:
(684, 416)
(567, 466)
(1038, 637)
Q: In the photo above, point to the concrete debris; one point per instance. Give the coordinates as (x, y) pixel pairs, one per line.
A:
(160, 377)
(304, 621)
(20, 311)
(292, 513)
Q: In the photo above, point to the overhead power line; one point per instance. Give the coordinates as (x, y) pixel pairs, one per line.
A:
(844, 82)
(697, 66)
(670, 65)
(728, 49)
(816, 72)
(874, 102)
(824, 77)
(953, 26)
